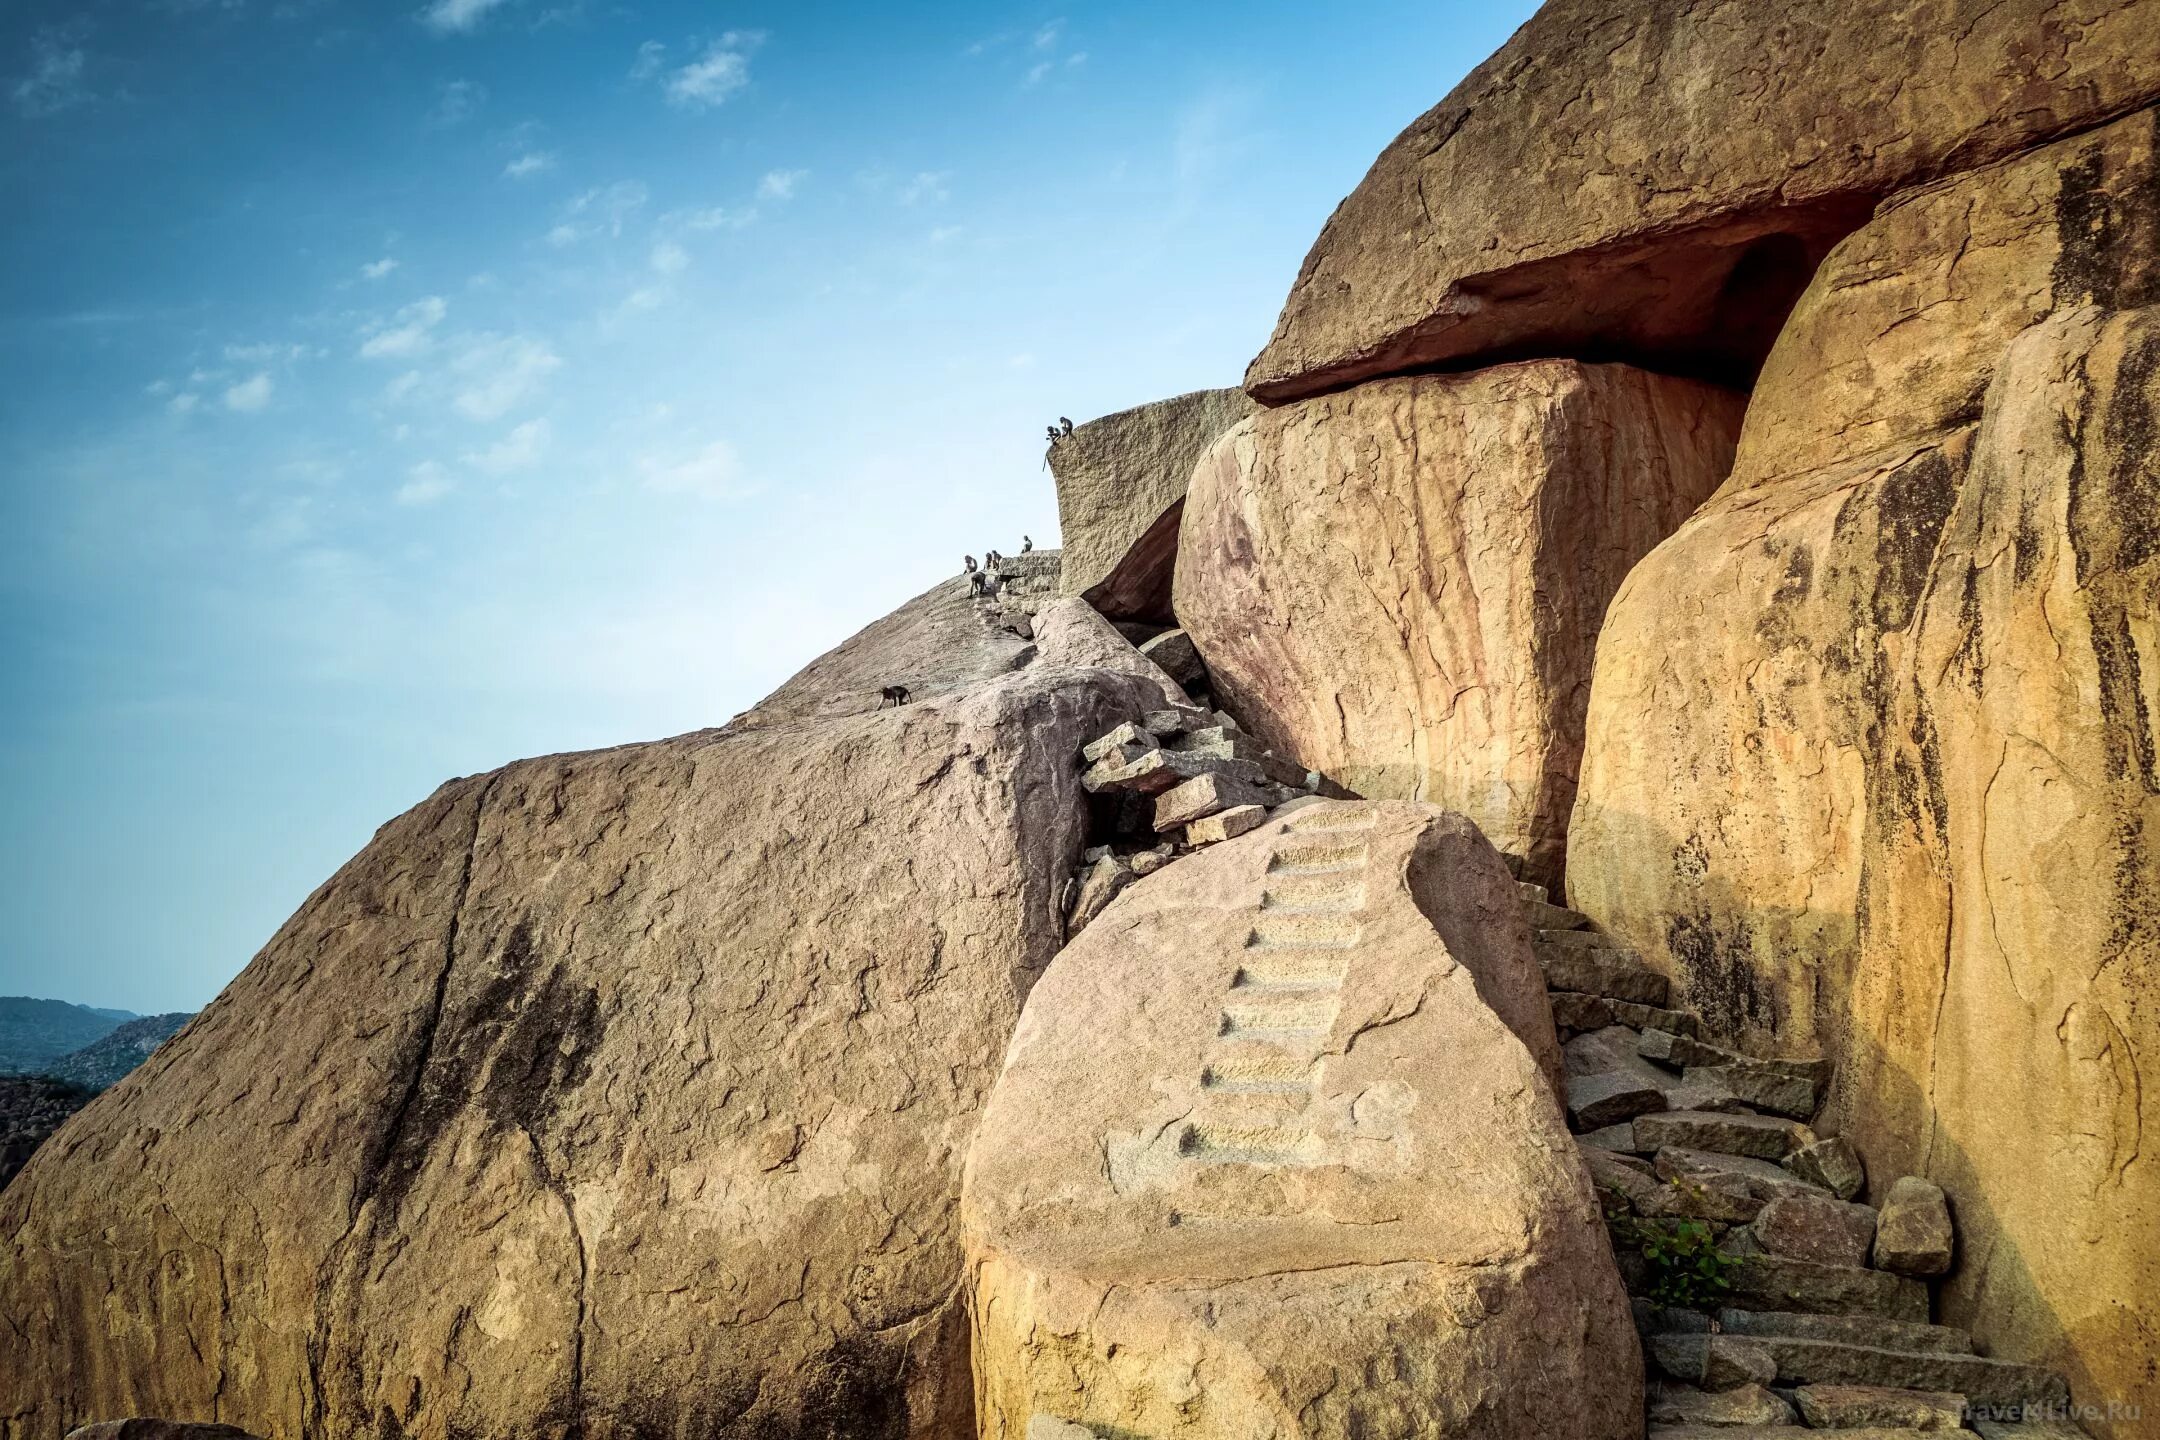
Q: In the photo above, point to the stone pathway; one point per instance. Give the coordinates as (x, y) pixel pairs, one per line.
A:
(1262, 1073)
(1814, 1335)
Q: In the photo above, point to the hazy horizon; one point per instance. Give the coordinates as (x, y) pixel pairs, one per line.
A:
(388, 396)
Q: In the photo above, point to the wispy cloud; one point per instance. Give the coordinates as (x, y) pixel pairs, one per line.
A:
(377, 269)
(426, 483)
(495, 374)
(712, 472)
(721, 68)
(780, 184)
(183, 404)
(457, 17)
(55, 80)
(601, 211)
(456, 102)
(927, 186)
(250, 395)
(532, 162)
(669, 258)
(410, 332)
(521, 449)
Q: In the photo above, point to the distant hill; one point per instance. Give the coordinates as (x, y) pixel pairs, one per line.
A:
(31, 1108)
(34, 1033)
(105, 1061)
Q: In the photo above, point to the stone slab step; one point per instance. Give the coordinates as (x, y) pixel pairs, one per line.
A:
(1763, 1179)
(1674, 1048)
(1784, 1432)
(1597, 970)
(1852, 1407)
(1553, 917)
(1762, 1137)
(1672, 1404)
(1579, 940)
(1530, 891)
(1577, 1011)
(1869, 1330)
(1595, 1101)
(1981, 1380)
(1611, 1051)
(1772, 1282)
(2041, 1429)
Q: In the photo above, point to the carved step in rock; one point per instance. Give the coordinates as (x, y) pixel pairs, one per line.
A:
(1277, 1140)
(1848, 1407)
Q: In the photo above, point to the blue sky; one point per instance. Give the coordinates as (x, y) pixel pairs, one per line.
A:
(390, 391)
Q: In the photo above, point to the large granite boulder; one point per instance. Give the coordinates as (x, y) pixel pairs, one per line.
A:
(1273, 1154)
(1869, 764)
(1656, 182)
(606, 1094)
(1121, 487)
(1401, 584)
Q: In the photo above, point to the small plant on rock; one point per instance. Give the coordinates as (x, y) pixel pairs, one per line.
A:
(1687, 1270)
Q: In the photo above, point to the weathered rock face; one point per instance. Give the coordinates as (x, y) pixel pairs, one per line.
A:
(1632, 181)
(1267, 1159)
(619, 1093)
(1401, 585)
(1870, 756)
(1121, 486)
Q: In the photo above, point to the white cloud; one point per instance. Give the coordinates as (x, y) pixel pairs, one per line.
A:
(377, 269)
(55, 81)
(599, 212)
(1037, 71)
(447, 17)
(183, 404)
(669, 258)
(1046, 38)
(250, 395)
(520, 449)
(495, 374)
(930, 185)
(401, 389)
(780, 184)
(711, 473)
(710, 79)
(424, 484)
(651, 59)
(532, 162)
(410, 332)
(264, 353)
(456, 102)
(719, 217)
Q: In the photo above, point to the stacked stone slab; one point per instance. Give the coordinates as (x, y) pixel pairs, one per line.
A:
(1824, 1299)
(1274, 1153)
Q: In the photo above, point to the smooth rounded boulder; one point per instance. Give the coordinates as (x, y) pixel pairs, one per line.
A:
(622, 1093)
(1401, 585)
(1277, 1152)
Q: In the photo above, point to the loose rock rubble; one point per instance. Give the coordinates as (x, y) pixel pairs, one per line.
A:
(1810, 1311)
(1169, 784)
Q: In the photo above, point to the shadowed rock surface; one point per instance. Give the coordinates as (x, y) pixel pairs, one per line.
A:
(1655, 183)
(586, 1077)
(1121, 484)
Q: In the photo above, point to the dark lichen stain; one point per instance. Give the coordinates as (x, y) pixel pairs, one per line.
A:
(2104, 229)
(1718, 973)
(1911, 506)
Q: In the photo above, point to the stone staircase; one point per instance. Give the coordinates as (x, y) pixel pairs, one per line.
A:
(1769, 1302)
